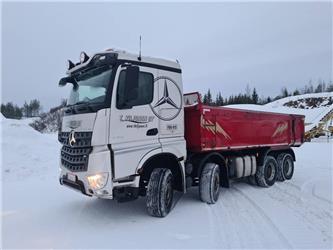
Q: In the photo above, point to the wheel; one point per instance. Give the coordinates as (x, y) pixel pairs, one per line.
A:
(267, 173)
(279, 159)
(159, 192)
(287, 167)
(209, 186)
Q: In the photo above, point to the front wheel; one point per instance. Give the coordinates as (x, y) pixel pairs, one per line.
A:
(209, 187)
(159, 192)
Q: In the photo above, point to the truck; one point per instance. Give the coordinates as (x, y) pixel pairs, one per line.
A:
(129, 131)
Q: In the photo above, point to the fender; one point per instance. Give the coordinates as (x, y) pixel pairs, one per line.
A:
(147, 156)
(270, 151)
(153, 159)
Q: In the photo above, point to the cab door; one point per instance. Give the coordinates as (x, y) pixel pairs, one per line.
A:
(133, 125)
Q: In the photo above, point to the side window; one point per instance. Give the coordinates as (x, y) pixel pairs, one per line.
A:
(141, 95)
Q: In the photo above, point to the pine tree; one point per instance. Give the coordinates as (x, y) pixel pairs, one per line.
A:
(219, 100)
(11, 111)
(255, 96)
(284, 92)
(209, 97)
(329, 87)
(248, 90)
(319, 87)
(35, 107)
(204, 99)
(269, 99)
(296, 92)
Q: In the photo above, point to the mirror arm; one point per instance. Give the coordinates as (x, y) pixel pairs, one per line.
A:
(65, 80)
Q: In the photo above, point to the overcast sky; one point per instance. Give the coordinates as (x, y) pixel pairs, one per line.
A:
(221, 46)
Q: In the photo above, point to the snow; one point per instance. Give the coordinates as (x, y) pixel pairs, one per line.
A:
(39, 213)
(312, 115)
(282, 101)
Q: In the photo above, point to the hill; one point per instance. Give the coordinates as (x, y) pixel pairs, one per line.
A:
(316, 107)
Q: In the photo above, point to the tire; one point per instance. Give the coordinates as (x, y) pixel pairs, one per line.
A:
(279, 159)
(287, 167)
(159, 192)
(267, 173)
(209, 186)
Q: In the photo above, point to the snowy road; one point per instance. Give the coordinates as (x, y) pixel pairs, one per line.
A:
(39, 213)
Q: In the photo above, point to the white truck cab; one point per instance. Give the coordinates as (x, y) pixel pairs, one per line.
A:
(124, 125)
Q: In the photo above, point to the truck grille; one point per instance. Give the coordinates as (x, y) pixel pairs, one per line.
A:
(75, 158)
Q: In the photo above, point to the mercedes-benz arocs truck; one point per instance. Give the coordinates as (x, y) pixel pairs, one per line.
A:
(128, 131)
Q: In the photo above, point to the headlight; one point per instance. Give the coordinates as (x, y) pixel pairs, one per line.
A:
(98, 181)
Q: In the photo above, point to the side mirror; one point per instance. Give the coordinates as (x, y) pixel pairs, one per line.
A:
(63, 82)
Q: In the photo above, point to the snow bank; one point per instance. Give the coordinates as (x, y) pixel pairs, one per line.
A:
(25, 151)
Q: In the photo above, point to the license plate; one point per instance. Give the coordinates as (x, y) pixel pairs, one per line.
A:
(71, 177)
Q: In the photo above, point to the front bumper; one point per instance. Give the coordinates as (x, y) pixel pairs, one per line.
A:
(77, 185)
(99, 162)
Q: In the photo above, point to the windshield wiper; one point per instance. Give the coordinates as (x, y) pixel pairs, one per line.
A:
(83, 107)
(80, 102)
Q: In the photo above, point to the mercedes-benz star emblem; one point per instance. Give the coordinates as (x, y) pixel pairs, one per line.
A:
(165, 98)
(170, 104)
(71, 138)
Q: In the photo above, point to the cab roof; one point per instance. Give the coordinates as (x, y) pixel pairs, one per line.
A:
(124, 55)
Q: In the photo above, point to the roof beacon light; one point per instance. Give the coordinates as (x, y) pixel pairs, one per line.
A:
(70, 64)
(83, 57)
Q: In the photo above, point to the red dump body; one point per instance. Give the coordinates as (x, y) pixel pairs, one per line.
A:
(209, 128)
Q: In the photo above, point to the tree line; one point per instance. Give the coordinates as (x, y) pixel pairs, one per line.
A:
(250, 96)
(13, 111)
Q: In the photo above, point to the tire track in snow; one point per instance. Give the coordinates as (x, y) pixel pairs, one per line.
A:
(237, 222)
(308, 187)
(266, 217)
(222, 231)
(315, 217)
(313, 192)
(306, 213)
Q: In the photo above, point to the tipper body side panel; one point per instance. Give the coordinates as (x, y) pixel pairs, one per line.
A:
(220, 128)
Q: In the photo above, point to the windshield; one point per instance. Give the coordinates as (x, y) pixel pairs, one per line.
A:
(92, 86)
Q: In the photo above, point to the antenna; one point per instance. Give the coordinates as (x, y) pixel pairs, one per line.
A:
(139, 58)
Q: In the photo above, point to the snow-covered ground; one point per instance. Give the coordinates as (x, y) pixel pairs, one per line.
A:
(39, 213)
(313, 115)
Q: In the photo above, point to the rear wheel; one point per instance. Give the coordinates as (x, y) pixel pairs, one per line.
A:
(267, 173)
(279, 159)
(209, 186)
(288, 167)
(285, 167)
(159, 192)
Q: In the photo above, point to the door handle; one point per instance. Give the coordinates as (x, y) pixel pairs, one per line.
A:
(151, 132)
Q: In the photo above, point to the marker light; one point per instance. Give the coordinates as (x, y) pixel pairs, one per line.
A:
(98, 181)
(83, 57)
